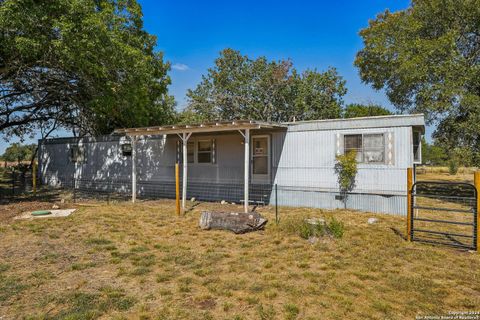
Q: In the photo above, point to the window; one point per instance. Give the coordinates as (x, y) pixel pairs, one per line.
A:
(370, 148)
(417, 147)
(191, 151)
(76, 154)
(353, 142)
(198, 151)
(126, 149)
(373, 148)
(204, 151)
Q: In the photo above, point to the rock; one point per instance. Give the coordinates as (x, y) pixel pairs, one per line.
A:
(313, 240)
(62, 201)
(372, 220)
(223, 202)
(315, 221)
(55, 206)
(193, 199)
(238, 222)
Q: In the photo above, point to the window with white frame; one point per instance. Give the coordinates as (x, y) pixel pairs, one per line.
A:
(369, 148)
(198, 151)
(204, 151)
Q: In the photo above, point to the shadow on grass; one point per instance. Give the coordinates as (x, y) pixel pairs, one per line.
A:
(193, 206)
(43, 195)
(399, 233)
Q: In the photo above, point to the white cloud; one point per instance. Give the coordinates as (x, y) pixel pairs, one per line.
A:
(180, 67)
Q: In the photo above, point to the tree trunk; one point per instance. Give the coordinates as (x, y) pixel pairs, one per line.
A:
(233, 221)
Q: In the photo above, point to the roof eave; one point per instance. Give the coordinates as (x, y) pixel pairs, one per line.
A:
(199, 128)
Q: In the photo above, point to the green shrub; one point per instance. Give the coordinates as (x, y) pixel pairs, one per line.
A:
(452, 167)
(301, 227)
(307, 230)
(346, 171)
(336, 228)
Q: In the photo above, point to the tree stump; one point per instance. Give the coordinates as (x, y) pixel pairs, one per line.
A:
(233, 221)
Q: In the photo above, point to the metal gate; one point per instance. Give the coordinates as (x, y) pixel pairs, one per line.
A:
(444, 213)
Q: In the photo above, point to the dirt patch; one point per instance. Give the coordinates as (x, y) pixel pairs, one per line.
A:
(13, 209)
(53, 214)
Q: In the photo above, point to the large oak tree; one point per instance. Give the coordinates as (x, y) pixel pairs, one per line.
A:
(83, 64)
(238, 87)
(427, 58)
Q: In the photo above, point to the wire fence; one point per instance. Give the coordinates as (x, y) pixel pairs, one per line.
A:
(115, 189)
(15, 181)
(280, 196)
(292, 189)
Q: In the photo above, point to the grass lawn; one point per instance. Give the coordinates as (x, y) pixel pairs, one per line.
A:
(125, 261)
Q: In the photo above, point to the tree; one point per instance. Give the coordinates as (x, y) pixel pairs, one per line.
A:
(81, 64)
(346, 171)
(427, 58)
(18, 152)
(356, 110)
(239, 87)
(433, 154)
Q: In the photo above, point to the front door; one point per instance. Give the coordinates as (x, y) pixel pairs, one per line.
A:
(260, 158)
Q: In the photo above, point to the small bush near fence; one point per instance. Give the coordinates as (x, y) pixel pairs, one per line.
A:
(311, 227)
(453, 167)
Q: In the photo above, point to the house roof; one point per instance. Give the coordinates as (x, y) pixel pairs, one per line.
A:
(409, 120)
(203, 127)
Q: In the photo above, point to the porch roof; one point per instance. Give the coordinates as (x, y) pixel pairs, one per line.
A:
(203, 127)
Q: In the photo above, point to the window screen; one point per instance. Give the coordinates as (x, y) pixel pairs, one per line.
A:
(370, 148)
(353, 142)
(373, 148)
(204, 151)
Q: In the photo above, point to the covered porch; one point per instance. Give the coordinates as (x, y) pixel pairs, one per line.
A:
(210, 148)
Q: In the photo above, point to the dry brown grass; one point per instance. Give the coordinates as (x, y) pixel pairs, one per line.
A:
(125, 261)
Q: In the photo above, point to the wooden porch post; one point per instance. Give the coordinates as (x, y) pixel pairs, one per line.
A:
(247, 167)
(184, 138)
(185, 169)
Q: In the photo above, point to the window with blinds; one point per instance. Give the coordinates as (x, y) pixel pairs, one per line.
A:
(369, 148)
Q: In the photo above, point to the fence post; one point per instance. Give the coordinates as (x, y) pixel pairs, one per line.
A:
(409, 203)
(74, 190)
(477, 213)
(109, 190)
(34, 178)
(276, 203)
(177, 189)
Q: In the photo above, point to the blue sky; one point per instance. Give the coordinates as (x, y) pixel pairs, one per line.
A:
(313, 34)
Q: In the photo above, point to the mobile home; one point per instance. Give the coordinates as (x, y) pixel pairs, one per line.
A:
(246, 161)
